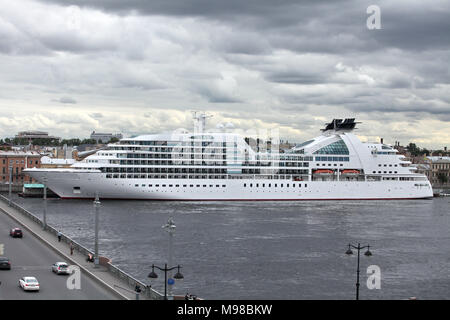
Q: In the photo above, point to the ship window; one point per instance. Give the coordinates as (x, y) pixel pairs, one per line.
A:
(157, 185)
(337, 147)
(251, 184)
(223, 185)
(198, 186)
(143, 185)
(149, 185)
(282, 185)
(287, 185)
(191, 185)
(163, 185)
(136, 185)
(170, 185)
(76, 190)
(245, 184)
(217, 186)
(306, 185)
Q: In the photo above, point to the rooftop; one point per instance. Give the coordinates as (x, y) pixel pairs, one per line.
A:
(439, 159)
(16, 153)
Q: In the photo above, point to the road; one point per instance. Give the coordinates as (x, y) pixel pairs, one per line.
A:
(30, 257)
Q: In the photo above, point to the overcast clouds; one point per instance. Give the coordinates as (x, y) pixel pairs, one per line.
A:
(138, 66)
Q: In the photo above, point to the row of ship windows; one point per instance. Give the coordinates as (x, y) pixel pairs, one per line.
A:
(384, 172)
(177, 185)
(269, 185)
(203, 163)
(177, 155)
(213, 156)
(184, 143)
(332, 159)
(385, 165)
(383, 152)
(275, 184)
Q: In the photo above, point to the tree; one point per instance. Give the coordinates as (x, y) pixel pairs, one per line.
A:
(413, 149)
(442, 178)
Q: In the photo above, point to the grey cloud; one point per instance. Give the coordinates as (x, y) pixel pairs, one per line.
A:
(66, 100)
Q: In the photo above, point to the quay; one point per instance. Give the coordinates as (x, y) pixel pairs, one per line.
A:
(119, 284)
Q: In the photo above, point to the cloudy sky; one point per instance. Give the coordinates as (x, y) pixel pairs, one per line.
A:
(140, 66)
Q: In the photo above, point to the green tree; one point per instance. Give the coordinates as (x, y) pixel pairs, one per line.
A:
(442, 178)
(413, 149)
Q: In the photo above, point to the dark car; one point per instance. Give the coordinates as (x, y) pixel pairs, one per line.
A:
(16, 233)
(5, 264)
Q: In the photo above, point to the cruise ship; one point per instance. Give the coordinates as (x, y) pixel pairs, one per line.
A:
(219, 166)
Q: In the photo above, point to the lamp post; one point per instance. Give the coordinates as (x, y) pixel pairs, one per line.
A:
(170, 228)
(367, 254)
(44, 219)
(97, 209)
(177, 275)
(10, 184)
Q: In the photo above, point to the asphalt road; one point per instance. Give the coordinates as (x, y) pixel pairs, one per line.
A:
(30, 257)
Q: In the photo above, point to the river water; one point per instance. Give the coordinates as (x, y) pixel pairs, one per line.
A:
(271, 250)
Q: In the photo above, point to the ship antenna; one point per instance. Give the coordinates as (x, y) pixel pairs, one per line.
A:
(200, 120)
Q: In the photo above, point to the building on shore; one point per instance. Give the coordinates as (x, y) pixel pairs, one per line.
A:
(32, 136)
(439, 171)
(105, 137)
(18, 160)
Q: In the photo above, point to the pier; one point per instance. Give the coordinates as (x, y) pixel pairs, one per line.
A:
(105, 281)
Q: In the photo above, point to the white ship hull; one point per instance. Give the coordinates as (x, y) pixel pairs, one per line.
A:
(70, 184)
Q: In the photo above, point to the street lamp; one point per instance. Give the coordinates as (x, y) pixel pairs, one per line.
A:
(170, 228)
(10, 184)
(97, 208)
(177, 275)
(367, 254)
(44, 220)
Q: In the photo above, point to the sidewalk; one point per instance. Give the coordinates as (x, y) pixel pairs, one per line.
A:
(101, 274)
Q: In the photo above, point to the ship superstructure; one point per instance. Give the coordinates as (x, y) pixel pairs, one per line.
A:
(202, 165)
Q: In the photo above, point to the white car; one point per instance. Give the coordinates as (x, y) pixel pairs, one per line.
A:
(29, 284)
(60, 268)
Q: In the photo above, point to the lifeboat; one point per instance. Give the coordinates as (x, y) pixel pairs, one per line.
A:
(352, 172)
(323, 172)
